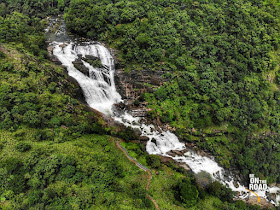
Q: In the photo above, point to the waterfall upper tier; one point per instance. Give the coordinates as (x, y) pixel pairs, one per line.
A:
(99, 87)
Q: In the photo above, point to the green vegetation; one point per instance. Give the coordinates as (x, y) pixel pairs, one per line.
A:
(174, 188)
(88, 172)
(51, 157)
(222, 61)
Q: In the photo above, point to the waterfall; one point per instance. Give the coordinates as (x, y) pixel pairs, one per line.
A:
(100, 93)
(99, 87)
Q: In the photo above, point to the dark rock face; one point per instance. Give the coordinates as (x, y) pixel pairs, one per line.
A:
(51, 56)
(77, 91)
(131, 85)
(78, 64)
(91, 57)
(144, 138)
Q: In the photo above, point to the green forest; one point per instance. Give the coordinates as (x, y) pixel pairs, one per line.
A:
(222, 62)
(221, 59)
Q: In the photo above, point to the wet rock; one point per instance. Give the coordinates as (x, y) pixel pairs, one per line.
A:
(51, 56)
(78, 92)
(120, 105)
(63, 45)
(191, 145)
(132, 84)
(137, 131)
(154, 141)
(138, 113)
(50, 49)
(144, 138)
(185, 166)
(185, 150)
(166, 159)
(272, 196)
(176, 152)
(91, 57)
(55, 61)
(78, 64)
(235, 183)
(171, 154)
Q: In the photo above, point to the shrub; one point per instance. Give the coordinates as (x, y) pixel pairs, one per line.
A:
(153, 161)
(187, 193)
(23, 147)
(219, 190)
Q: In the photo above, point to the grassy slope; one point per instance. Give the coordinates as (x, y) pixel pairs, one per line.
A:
(82, 148)
(164, 182)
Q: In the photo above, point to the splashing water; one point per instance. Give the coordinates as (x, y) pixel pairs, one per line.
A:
(100, 93)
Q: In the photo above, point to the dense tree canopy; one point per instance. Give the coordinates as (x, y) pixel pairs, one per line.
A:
(222, 59)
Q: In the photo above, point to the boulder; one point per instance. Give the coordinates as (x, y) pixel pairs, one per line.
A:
(91, 57)
(176, 152)
(63, 45)
(137, 131)
(165, 159)
(235, 183)
(154, 141)
(185, 166)
(78, 64)
(144, 138)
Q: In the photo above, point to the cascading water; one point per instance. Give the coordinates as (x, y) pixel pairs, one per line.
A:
(99, 87)
(100, 93)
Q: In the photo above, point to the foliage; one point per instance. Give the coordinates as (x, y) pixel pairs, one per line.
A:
(188, 192)
(23, 147)
(153, 161)
(219, 190)
(218, 57)
(216, 54)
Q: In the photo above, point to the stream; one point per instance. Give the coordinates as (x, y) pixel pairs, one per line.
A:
(100, 93)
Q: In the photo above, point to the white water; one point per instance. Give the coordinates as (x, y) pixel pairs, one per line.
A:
(100, 93)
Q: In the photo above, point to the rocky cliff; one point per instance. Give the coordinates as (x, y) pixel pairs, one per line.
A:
(131, 85)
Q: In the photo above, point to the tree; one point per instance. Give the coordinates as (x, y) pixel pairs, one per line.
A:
(153, 161)
(23, 147)
(188, 192)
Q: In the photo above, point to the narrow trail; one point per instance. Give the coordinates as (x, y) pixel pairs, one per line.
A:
(139, 165)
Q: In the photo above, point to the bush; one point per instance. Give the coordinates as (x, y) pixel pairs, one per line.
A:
(2, 55)
(187, 193)
(153, 161)
(23, 147)
(128, 134)
(219, 190)
(136, 103)
(31, 118)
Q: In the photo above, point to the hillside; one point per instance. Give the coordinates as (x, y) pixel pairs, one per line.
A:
(222, 62)
(220, 93)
